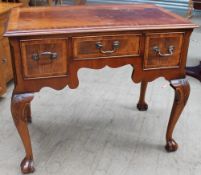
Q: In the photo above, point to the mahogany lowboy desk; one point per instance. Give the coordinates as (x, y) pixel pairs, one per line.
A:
(50, 44)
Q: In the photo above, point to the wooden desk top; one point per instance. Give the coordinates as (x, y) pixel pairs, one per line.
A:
(92, 18)
(5, 6)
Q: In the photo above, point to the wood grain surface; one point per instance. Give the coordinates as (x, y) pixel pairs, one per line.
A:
(92, 18)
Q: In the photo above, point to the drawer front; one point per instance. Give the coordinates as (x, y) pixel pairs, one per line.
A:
(163, 50)
(44, 58)
(94, 47)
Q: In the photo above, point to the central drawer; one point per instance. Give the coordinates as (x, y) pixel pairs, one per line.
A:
(106, 46)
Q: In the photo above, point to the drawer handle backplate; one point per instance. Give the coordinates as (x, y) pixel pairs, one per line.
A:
(170, 49)
(52, 55)
(115, 46)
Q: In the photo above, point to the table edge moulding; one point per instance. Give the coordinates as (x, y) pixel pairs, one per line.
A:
(49, 45)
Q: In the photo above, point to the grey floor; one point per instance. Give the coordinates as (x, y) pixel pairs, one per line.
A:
(97, 130)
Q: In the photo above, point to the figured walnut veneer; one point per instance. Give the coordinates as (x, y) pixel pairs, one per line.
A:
(49, 46)
(163, 41)
(92, 18)
(44, 66)
(85, 47)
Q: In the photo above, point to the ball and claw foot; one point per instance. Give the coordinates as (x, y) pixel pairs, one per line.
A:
(171, 146)
(27, 166)
(142, 107)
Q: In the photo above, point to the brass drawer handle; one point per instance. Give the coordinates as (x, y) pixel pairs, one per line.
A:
(52, 55)
(156, 49)
(115, 45)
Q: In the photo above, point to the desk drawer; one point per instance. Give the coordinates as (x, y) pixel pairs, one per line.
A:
(44, 58)
(163, 50)
(94, 47)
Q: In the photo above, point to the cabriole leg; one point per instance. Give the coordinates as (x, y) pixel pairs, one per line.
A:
(20, 108)
(142, 105)
(28, 113)
(182, 91)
